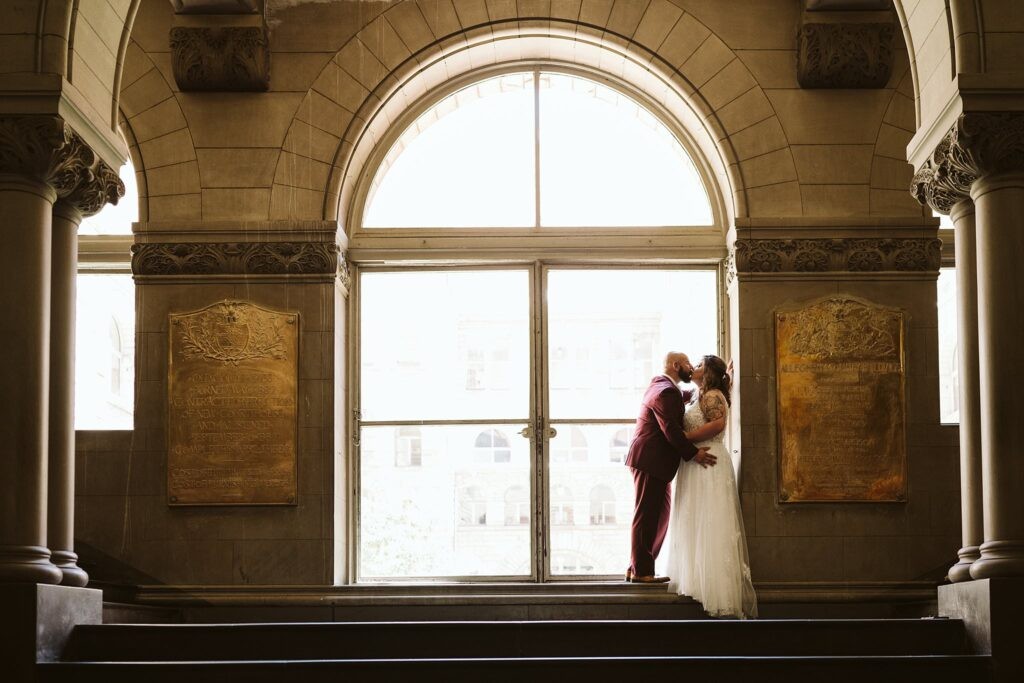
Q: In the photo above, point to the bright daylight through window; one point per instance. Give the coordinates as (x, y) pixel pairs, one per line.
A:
(495, 404)
(949, 357)
(445, 465)
(105, 323)
(470, 161)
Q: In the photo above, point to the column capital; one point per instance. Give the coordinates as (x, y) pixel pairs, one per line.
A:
(47, 149)
(979, 144)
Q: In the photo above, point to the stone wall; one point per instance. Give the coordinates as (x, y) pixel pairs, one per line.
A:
(855, 542)
(236, 167)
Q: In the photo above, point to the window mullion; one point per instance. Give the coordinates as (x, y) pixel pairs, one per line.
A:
(536, 149)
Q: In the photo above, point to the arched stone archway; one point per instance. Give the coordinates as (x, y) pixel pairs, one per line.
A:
(401, 54)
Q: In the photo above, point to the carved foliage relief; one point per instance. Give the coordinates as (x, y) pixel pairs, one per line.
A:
(837, 255)
(236, 258)
(222, 58)
(978, 144)
(845, 55)
(46, 149)
(840, 406)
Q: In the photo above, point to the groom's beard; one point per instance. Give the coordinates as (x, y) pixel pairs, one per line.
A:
(685, 376)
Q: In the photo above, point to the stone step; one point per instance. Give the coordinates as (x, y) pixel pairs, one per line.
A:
(505, 639)
(934, 669)
(128, 613)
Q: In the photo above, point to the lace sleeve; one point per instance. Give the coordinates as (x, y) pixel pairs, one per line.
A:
(713, 405)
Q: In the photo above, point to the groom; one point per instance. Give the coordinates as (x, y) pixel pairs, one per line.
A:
(658, 444)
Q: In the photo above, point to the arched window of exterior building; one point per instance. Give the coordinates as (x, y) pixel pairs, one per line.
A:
(573, 449)
(492, 446)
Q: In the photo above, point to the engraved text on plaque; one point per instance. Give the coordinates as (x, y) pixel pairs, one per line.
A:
(841, 414)
(232, 406)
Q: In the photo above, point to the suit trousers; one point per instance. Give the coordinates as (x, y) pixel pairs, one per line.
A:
(650, 521)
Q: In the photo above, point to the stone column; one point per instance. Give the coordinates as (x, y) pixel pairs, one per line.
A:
(971, 516)
(999, 202)
(41, 159)
(982, 157)
(24, 378)
(61, 489)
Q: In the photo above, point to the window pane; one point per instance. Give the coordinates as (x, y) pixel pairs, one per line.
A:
(463, 511)
(466, 162)
(605, 160)
(945, 221)
(591, 501)
(609, 330)
(949, 368)
(445, 345)
(105, 352)
(116, 220)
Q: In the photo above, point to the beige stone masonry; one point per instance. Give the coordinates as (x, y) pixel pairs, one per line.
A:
(172, 148)
(823, 164)
(657, 22)
(239, 168)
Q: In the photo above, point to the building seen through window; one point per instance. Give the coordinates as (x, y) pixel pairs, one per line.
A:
(523, 377)
(105, 322)
(517, 506)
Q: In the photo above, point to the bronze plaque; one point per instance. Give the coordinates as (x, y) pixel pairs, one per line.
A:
(841, 413)
(232, 406)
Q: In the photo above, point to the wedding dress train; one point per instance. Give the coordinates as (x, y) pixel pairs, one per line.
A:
(707, 545)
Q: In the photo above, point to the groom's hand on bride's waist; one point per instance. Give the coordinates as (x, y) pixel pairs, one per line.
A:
(704, 459)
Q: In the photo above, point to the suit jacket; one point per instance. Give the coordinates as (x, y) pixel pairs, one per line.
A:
(658, 442)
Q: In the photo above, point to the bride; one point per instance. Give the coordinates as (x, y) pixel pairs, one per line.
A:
(708, 551)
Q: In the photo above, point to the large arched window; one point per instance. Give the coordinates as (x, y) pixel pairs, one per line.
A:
(537, 150)
(525, 249)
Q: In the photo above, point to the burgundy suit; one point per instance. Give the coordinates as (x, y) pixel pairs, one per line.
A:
(654, 454)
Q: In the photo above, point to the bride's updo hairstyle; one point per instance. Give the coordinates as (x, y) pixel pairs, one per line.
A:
(715, 377)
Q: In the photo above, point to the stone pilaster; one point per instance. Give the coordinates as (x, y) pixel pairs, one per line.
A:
(41, 160)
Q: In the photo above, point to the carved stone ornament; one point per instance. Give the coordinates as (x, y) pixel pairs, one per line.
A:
(978, 144)
(842, 327)
(231, 332)
(46, 149)
(344, 272)
(236, 258)
(730, 268)
(856, 255)
(222, 58)
(845, 55)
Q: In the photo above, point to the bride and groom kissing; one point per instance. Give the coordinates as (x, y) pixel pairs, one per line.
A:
(680, 436)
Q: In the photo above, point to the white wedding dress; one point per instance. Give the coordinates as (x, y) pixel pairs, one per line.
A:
(707, 545)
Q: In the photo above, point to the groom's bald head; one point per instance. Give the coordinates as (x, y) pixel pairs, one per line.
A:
(677, 366)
